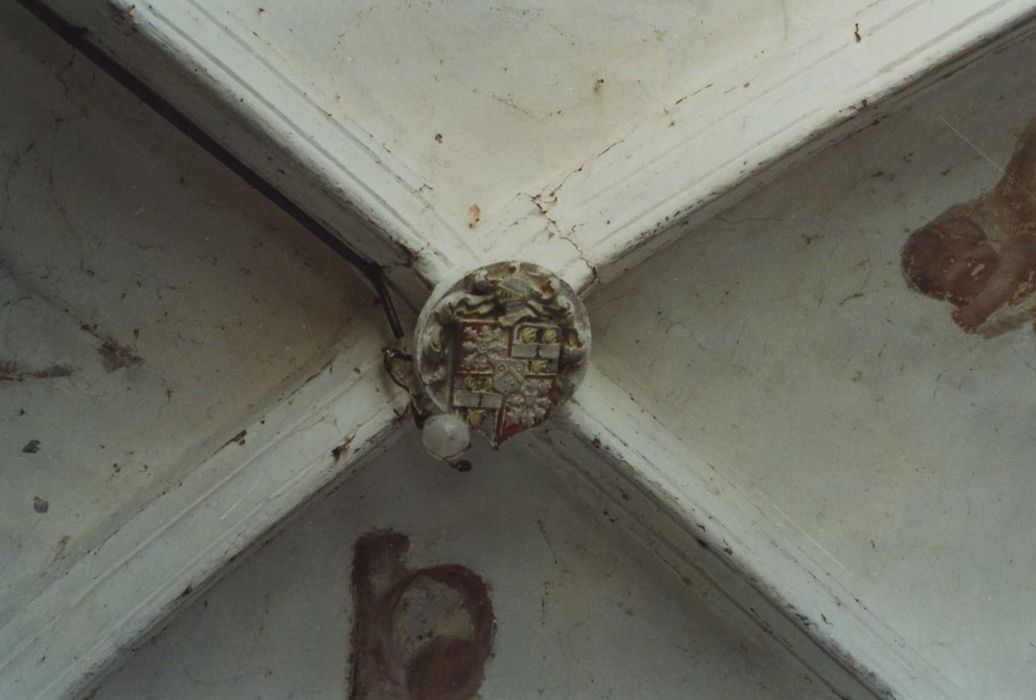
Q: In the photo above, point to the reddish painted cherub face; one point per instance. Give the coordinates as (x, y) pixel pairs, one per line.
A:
(984, 272)
(950, 259)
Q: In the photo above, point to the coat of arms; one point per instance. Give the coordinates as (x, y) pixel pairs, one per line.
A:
(502, 347)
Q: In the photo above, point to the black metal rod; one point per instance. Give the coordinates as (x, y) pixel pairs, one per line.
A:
(79, 39)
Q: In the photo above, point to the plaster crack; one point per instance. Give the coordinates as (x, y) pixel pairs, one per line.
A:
(554, 229)
(12, 172)
(509, 102)
(582, 256)
(61, 74)
(551, 196)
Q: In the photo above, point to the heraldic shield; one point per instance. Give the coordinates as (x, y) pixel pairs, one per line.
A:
(502, 347)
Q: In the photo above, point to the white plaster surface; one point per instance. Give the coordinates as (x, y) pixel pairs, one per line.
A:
(433, 137)
(519, 91)
(782, 344)
(779, 341)
(581, 613)
(113, 226)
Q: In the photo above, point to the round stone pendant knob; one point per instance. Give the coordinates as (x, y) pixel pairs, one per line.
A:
(496, 351)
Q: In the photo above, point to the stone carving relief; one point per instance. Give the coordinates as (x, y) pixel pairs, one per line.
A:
(502, 347)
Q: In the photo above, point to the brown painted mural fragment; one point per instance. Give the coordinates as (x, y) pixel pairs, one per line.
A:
(981, 256)
(422, 634)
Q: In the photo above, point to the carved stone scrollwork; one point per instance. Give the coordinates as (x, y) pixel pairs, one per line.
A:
(501, 347)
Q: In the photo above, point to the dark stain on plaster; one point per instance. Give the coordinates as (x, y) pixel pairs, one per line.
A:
(238, 439)
(117, 356)
(13, 372)
(423, 634)
(981, 256)
(114, 355)
(341, 448)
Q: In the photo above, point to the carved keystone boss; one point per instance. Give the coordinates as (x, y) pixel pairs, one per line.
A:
(502, 347)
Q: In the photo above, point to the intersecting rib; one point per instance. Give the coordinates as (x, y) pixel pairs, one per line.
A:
(325, 168)
(733, 135)
(681, 500)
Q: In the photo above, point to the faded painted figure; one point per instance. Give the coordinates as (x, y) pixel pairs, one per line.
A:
(981, 256)
(417, 635)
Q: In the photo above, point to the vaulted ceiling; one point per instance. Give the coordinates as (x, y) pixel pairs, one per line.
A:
(772, 405)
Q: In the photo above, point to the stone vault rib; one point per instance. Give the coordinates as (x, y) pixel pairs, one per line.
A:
(634, 197)
(330, 169)
(698, 518)
(65, 639)
(734, 134)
